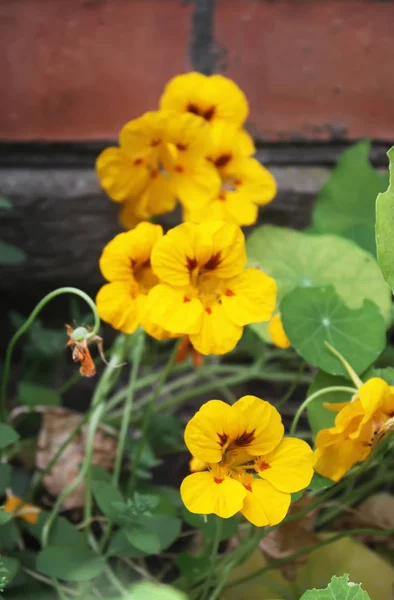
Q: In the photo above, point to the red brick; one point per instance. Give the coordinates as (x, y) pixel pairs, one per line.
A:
(79, 69)
(312, 69)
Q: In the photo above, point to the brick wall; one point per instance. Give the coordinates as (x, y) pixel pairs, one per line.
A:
(318, 75)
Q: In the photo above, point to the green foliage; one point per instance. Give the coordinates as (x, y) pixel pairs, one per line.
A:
(346, 203)
(5, 517)
(312, 316)
(319, 416)
(297, 259)
(340, 588)
(192, 567)
(5, 477)
(10, 255)
(152, 591)
(69, 562)
(8, 436)
(31, 394)
(5, 203)
(208, 525)
(385, 227)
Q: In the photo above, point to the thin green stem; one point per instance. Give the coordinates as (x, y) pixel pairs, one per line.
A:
(137, 356)
(213, 557)
(149, 413)
(94, 420)
(352, 373)
(282, 561)
(334, 388)
(292, 386)
(25, 327)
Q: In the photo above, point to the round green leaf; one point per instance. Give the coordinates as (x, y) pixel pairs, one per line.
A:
(8, 436)
(295, 259)
(70, 563)
(316, 315)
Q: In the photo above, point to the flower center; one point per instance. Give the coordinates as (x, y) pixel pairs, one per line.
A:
(144, 277)
(205, 113)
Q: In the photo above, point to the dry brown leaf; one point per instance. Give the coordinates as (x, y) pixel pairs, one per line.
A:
(291, 537)
(56, 426)
(377, 512)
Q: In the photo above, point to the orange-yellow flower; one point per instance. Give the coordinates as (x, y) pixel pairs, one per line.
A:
(358, 425)
(205, 291)
(125, 263)
(22, 510)
(277, 333)
(245, 183)
(250, 466)
(212, 97)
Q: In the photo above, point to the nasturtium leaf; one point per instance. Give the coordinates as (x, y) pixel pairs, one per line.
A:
(385, 373)
(143, 539)
(5, 477)
(5, 517)
(340, 588)
(191, 566)
(296, 259)
(318, 415)
(31, 394)
(209, 526)
(153, 591)
(5, 203)
(106, 496)
(347, 200)
(10, 255)
(62, 531)
(70, 563)
(385, 227)
(316, 315)
(8, 436)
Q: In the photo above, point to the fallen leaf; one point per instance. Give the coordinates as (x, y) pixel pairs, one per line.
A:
(56, 426)
(377, 512)
(291, 537)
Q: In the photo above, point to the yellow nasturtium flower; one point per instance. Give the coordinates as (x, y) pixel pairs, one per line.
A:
(277, 333)
(245, 183)
(125, 263)
(212, 97)
(22, 510)
(359, 424)
(251, 467)
(205, 290)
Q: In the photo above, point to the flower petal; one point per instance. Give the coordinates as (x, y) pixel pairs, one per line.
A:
(335, 460)
(129, 250)
(202, 495)
(289, 468)
(174, 309)
(216, 333)
(220, 249)
(117, 306)
(264, 424)
(206, 430)
(373, 395)
(277, 333)
(194, 181)
(250, 297)
(171, 255)
(120, 176)
(265, 505)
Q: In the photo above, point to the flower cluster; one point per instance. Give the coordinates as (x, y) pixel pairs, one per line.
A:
(191, 281)
(193, 149)
(250, 466)
(359, 424)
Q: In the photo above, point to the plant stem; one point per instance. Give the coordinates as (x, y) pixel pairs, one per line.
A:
(136, 361)
(95, 416)
(292, 386)
(352, 373)
(212, 558)
(334, 388)
(25, 327)
(149, 413)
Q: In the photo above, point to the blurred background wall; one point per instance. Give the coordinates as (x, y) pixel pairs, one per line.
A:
(318, 75)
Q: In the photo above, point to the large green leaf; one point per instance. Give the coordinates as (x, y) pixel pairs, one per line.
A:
(10, 255)
(340, 588)
(296, 259)
(70, 563)
(346, 203)
(32, 394)
(385, 226)
(312, 316)
(8, 436)
(154, 591)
